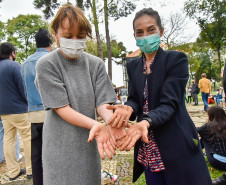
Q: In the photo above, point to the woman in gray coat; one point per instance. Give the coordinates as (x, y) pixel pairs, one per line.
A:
(74, 86)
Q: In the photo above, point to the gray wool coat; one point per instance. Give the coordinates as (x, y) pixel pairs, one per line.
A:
(68, 159)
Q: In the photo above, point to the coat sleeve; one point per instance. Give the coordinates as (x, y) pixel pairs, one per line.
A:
(172, 92)
(19, 80)
(132, 98)
(224, 79)
(203, 131)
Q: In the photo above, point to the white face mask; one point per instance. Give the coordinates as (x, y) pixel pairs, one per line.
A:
(72, 48)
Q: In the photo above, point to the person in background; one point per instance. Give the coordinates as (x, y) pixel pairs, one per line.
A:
(2, 157)
(195, 92)
(205, 89)
(35, 107)
(123, 95)
(211, 99)
(74, 88)
(213, 139)
(218, 96)
(13, 112)
(222, 179)
(185, 96)
(189, 94)
(167, 148)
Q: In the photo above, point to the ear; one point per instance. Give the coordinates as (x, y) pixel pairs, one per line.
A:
(161, 32)
(13, 54)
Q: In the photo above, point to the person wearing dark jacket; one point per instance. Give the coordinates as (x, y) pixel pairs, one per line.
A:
(194, 92)
(13, 112)
(213, 139)
(167, 147)
(222, 179)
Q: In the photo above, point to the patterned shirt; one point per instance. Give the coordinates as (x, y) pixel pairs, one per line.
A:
(216, 144)
(148, 154)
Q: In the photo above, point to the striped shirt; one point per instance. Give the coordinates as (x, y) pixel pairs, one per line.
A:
(148, 153)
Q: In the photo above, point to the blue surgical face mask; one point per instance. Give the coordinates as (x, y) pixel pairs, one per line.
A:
(148, 44)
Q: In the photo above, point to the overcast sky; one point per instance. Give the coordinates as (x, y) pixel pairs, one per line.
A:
(121, 29)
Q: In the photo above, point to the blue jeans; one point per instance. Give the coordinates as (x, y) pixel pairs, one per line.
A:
(205, 100)
(1, 143)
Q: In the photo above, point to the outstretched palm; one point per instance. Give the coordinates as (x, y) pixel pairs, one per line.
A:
(104, 140)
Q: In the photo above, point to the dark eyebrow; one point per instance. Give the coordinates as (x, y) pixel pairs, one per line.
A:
(139, 30)
(152, 26)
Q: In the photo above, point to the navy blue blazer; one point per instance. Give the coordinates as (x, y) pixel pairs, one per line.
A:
(174, 131)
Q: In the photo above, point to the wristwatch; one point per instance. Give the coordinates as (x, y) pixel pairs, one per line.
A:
(147, 119)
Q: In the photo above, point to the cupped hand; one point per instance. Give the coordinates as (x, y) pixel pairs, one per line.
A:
(104, 140)
(133, 134)
(121, 115)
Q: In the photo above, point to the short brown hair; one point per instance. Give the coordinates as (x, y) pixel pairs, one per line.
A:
(72, 13)
(204, 75)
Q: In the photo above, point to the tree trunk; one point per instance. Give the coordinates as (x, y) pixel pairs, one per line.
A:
(219, 58)
(96, 25)
(108, 39)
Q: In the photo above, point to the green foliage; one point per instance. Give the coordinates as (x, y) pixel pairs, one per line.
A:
(21, 31)
(122, 8)
(200, 59)
(2, 31)
(47, 6)
(211, 17)
(118, 49)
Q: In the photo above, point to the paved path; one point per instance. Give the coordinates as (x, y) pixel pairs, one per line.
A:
(122, 162)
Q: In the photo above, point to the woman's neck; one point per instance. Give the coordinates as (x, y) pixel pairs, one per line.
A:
(150, 56)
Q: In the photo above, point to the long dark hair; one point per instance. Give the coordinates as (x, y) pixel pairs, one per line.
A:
(217, 121)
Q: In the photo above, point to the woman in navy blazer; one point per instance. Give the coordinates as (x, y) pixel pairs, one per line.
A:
(157, 82)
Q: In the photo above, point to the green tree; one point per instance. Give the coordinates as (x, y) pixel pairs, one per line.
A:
(2, 31)
(48, 6)
(115, 9)
(95, 21)
(211, 17)
(21, 31)
(118, 49)
(200, 61)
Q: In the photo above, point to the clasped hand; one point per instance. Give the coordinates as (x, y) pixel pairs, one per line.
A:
(120, 134)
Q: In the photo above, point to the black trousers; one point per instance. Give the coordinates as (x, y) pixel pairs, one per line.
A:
(195, 98)
(214, 162)
(36, 153)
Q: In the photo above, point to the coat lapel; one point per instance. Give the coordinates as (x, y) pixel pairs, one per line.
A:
(140, 81)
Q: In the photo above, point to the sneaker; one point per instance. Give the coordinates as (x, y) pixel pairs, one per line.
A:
(20, 157)
(22, 171)
(220, 181)
(107, 178)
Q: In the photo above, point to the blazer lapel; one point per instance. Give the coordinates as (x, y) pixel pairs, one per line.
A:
(140, 81)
